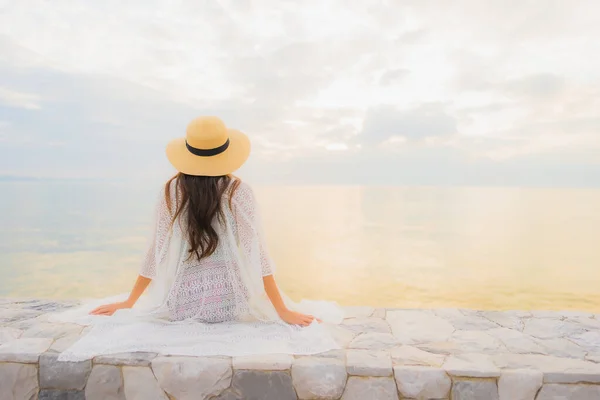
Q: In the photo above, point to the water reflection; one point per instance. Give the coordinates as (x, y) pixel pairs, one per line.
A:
(384, 246)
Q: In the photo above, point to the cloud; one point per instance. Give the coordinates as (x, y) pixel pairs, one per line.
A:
(382, 123)
(537, 86)
(491, 85)
(391, 76)
(12, 98)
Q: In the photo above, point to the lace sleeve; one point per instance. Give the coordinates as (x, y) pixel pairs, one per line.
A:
(159, 240)
(250, 236)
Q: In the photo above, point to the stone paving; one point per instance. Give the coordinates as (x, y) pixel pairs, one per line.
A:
(388, 354)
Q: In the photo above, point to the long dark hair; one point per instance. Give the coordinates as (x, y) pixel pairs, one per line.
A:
(201, 197)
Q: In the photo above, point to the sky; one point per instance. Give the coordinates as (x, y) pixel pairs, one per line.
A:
(415, 92)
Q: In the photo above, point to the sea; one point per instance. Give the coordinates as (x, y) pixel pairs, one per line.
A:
(410, 247)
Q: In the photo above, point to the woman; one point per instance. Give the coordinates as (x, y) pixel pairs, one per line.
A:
(207, 274)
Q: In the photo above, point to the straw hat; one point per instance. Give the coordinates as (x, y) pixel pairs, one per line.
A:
(209, 148)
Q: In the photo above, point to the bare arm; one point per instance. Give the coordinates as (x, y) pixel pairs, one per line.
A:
(273, 293)
(140, 285)
(289, 316)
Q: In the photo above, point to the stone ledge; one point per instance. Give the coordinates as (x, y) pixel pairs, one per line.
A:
(388, 354)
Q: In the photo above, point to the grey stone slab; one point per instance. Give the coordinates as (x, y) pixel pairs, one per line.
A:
(105, 383)
(262, 385)
(341, 334)
(362, 388)
(555, 369)
(471, 365)
(8, 334)
(358, 312)
(337, 354)
(56, 374)
(228, 394)
(419, 326)
(50, 394)
(139, 383)
(477, 342)
(64, 343)
(368, 363)
(136, 359)
(319, 378)
(548, 328)
(569, 392)
(517, 342)
(270, 362)
(409, 355)
(504, 319)
(416, 382)
(374, 341)
(51, 330)
(460, 321)
(560, 347)
(363, 325)
(192, 377)
(474, 390)
(18, 381)
(25, 350)
(442, 348)
(519, 384)
(589, 341)
(11, 315)
(51, 306)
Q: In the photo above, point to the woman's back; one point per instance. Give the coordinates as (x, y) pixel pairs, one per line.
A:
(213, 287)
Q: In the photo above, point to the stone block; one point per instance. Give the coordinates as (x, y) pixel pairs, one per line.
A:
(409, 355)
(475, 390)
(105, 383)
(194, 378)
(363, 325)
(418, 326)
(416, 382)
(51, 330)
(8, 334)
(64, 343)
(569, 392)
(18, 381)
(519, 384)
(63, 374)
(368, 363)
(51, 394)
(260, 385)
(471, 365)
(358, 312)
(362, 388)
(139, 383)
(25, 350)
(374, 341)
(319, 378)
(267, 362)
(136, 359)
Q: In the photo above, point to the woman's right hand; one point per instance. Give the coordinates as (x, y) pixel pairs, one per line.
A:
(296, 318)
(109, 309)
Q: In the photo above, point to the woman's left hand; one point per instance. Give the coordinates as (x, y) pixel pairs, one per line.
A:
(109, 309)
(296, 318)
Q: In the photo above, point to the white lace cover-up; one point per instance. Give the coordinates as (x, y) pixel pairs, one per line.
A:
(213, 306)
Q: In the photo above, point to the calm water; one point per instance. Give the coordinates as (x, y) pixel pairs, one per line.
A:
(383, 246)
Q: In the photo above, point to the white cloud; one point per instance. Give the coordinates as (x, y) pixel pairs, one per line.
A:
(337, 147)
(13, 98)
(494, 80)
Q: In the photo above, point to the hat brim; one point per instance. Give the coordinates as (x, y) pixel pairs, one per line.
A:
(222, 164)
